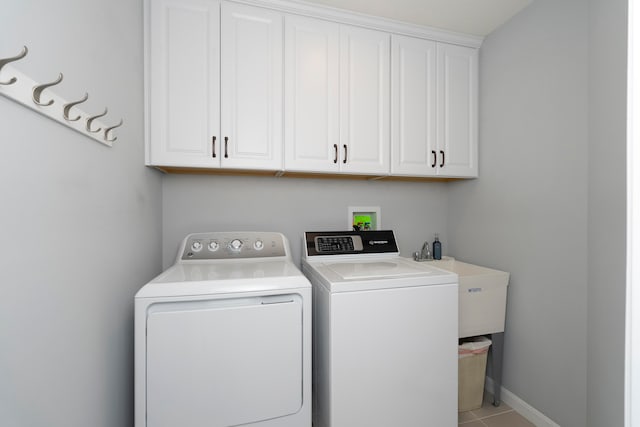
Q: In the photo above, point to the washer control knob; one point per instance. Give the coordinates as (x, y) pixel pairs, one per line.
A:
(235, 245)
(196, 246)
(213, 246)
(258, 245)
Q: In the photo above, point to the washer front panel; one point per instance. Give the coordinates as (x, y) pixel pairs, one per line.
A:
(392, 364)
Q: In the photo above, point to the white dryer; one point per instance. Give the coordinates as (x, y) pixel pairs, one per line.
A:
(385, 334)
(223, 337)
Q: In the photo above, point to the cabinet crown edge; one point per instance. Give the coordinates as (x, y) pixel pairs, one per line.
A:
(343, 16)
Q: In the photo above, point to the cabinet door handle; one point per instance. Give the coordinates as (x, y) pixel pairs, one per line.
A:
(442, 164)
(213, 146)
(345, 154)
(226, 147)
(335, 149)
(435, 160)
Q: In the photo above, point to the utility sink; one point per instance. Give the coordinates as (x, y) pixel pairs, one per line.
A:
(482, 297)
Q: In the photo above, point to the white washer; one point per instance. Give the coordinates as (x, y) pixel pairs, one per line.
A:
(223, 337)
(385, 334)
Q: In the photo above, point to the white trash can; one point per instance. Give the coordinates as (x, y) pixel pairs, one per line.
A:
(472, 366)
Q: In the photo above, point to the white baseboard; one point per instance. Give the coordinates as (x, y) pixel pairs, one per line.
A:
(521, 407)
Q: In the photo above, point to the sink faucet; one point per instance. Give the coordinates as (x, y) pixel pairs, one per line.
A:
(425, 253)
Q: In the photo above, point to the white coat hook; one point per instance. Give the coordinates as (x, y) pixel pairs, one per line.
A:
(109, 129)
(37, 91)
(5, 61)
(67, 108)
(43, 99)
(92, 118)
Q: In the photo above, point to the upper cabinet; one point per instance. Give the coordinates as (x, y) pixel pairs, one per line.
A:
(311, 101)
(434, 109)
(336, 97)
(413, 124)
(251, 87)
(364, 100)
(215, 97)
(236, 86)
(183, 82)
(457, 111)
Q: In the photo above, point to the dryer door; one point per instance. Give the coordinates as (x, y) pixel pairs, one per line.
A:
(224, 362)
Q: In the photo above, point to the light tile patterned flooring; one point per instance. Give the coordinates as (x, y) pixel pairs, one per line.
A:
(491, 416)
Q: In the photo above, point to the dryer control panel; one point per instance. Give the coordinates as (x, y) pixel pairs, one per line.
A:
(233, 245)
(320, 243)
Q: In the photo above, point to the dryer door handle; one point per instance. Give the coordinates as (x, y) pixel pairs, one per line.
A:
(276, 302)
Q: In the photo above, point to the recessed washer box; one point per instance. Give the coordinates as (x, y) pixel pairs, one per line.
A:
(482, 300)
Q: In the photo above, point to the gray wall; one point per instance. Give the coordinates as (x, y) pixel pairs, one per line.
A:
(527, 214)
(607, 211)
(414, 210)
(80, 221)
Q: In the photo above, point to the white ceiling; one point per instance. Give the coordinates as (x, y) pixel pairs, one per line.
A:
(478, 17)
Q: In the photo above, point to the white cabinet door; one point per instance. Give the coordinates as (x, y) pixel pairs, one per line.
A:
(251, 87)
(183, 87)
(312, 135)
(364, 100)
(413, 108)
(457, 110)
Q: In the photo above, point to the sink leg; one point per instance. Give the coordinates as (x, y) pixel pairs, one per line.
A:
(497, 348)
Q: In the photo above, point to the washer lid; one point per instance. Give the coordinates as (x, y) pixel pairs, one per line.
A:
(358, 275)
(374, 269)
(224, 277)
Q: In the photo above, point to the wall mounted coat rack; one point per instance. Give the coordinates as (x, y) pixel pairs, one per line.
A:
(39, 97)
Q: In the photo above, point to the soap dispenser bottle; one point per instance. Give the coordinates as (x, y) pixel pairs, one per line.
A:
(437, 248)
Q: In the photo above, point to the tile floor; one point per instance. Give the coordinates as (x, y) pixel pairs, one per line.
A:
(491, 416)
